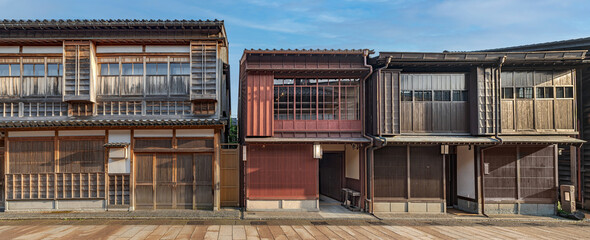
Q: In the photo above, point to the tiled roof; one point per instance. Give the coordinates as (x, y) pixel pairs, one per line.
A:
(8, 24)
(118, 122)
(116, 145)
(483, 56)
(308, 51)
(577, 43)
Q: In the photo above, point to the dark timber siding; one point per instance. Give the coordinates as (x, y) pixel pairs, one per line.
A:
(423, 177)
(520, 173)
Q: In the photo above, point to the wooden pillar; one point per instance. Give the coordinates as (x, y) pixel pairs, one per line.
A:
(216, 172)
(131, 172)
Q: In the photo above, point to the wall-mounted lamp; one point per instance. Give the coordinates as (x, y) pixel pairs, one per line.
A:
(444, 149)
(317, 151)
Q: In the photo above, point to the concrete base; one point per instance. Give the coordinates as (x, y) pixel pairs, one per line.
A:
(411, 207)
(467, 206)
(279, 205)
(520, 208)
(54, 205)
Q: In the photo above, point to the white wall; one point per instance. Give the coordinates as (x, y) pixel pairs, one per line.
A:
(43, 49)
(465, 172)
(120, 165)
(352, 162)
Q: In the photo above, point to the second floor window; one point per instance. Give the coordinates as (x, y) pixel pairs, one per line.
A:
(316, 99)
(10, 70)
(33, 70)
(109, 69)
(132, 69)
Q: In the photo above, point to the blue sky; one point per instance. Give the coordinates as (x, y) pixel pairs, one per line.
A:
(381, 25)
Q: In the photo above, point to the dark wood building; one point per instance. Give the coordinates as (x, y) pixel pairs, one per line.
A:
(293, 102)
(112, 114)
(470, 130)
(574, 164)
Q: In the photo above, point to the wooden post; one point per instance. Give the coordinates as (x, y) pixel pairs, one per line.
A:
(408, 171)
(444, 181)
(194, 181)
(216, 173)
(56, 166)
(174, 169)
(132, 171)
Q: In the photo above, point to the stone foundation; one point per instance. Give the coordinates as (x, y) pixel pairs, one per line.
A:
(520, 208)
(55, 205)
(410, 207)
(278, 205)
(467, 206)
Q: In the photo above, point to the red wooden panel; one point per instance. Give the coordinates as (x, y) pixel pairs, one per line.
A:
(259, 111)
(286, 171)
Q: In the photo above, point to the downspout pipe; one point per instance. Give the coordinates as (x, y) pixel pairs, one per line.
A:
(497, 101)
(366, 53)
(376, 142)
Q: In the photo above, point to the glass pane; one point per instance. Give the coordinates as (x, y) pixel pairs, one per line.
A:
(185, 68)
(151, 68)
(15, 70)
(406, 95)
(442, 95)
(559, 92)
(114, 69)
(427, 96)
(508, 93)
(418, 95)
(127, 69)
(39, 70)
(4, 70)
(569, 92)
(541, 91)
(524, 92)
(175, 69)
(162, 69)
(138, 69)
(549, 92)
(52, 70)
(28, 70)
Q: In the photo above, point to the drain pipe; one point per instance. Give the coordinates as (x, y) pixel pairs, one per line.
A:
(366, 53)
(498, 85)
(376, 142)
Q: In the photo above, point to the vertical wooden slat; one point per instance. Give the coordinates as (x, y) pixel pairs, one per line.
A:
(154, 179)
(216, 172)
(194, 182)
(116, 188)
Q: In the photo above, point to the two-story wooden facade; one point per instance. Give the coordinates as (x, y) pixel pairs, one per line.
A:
(470, 130)
(292, 102)
(112, 114)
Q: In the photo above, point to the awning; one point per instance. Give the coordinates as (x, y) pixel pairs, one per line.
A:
(458, 140)
(307, 140)
(541, 140)
(481, 140)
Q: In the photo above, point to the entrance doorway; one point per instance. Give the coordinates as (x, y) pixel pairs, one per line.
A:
(332, 175)
(451, 179)
(173, 181)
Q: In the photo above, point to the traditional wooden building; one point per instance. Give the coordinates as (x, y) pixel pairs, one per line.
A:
(301, 124)
(574, 166)
(477, 131)
(112, 114)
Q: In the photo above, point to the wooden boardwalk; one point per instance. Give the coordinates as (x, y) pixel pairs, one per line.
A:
(160, 229)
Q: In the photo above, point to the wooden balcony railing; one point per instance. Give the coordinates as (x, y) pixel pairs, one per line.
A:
(55, 186)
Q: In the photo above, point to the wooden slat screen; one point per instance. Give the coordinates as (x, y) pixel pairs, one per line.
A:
(153, 143)
(230, 176)
(31, 156)
(259, 104)
(537, 172)
(42, 186)
(501, 182)
(391, 172)
(86, 156)
(119, 192)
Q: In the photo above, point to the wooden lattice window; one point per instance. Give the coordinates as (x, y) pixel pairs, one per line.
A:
(204, 107)
(80, 109)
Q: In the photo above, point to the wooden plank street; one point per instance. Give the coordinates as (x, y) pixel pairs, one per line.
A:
(290, 229)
